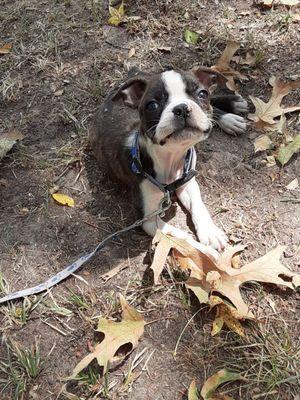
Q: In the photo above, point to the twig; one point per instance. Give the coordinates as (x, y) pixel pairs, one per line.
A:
(55, 328)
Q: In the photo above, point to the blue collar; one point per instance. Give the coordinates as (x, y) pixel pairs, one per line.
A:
(137, 168)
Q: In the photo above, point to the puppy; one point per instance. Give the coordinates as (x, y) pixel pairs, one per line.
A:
(145, 133)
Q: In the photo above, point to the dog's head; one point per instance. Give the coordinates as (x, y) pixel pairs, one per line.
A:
(173, 106)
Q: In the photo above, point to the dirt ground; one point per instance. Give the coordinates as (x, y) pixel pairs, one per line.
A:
(64, 60)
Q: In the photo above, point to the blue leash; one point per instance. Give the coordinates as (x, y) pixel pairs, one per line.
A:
(70, 269)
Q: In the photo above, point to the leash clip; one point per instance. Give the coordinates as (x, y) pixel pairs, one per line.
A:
(165, 203)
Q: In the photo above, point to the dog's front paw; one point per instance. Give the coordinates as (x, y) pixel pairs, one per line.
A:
(240, 105)
(210, 235)
(232, 124)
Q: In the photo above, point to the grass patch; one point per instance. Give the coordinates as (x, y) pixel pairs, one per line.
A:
(20, 368)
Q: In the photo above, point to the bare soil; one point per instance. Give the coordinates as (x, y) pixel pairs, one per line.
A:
(64, 60)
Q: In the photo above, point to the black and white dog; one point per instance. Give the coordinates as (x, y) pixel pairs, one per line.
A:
(145, 133)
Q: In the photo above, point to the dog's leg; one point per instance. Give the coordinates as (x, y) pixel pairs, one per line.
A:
(151, 197)
(225, 110)
(208, 233)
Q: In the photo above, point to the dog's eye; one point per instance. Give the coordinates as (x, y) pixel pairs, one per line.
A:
(152, 105)
(202, 94)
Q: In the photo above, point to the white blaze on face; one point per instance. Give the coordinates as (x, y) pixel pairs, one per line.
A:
(176, 89)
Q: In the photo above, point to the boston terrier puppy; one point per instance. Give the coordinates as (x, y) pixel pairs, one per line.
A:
(145, 133)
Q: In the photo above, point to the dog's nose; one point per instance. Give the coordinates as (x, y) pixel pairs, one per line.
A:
(181, 111)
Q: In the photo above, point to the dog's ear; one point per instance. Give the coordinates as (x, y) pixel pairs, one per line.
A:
(131, 91)
(209, 77)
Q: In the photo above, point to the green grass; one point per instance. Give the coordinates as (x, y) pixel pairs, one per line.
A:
(20, 368)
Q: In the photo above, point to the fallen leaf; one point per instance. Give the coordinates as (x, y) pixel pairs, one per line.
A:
(116, 14)
(267, 268)
(191, 37)
(262, 143)
(221, 277)
(250, 59)
(285, 153)
(131, 52)
(164, 243)
(58, 92)
(213, 382)
(8, 140)
(265, 113)
(116, 334)
(293, 184)
(6, 48)
(63, 199)
(223, 65)
(227, 315)
(193, 392)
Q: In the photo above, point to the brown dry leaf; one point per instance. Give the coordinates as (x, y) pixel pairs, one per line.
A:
(266, 112)
(293, 184)
(223, 65)
(249, 60)
(8, 140)
(117, 334)
(262, 143)
(213, 382)
(164, 244)
(6, 48)
(59, 93)
(267, 268)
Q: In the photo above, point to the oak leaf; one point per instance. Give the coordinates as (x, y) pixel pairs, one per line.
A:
(223, 65)
(208, 276)
(116, 334)
(265, 113)
(164, 243)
